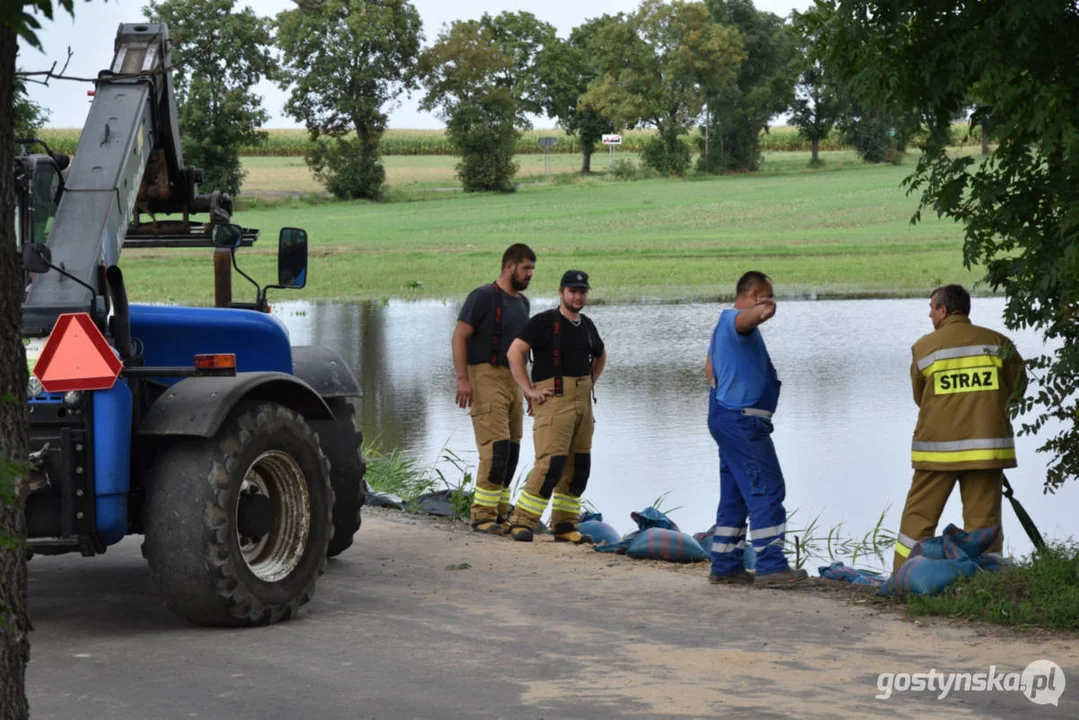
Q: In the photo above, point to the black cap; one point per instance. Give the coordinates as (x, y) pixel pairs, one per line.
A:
(575, 279)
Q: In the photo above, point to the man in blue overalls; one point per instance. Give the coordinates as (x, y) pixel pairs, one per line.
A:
(740, 409)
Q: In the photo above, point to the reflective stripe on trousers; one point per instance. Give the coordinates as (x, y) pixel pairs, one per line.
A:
(750, 486)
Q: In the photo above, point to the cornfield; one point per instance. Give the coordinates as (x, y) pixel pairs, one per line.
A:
(282, 142)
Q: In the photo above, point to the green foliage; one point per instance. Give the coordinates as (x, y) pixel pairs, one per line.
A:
(1019, 208)
(566, 68)
(480, 78)
(624, 169)
(1040, 591)
(740, 110)
(657, 66)
(667, 154)
(349, 168)
(818, 103)
(14, 14)
(347, 62)
(876, 134)
(218, 54)
(29, 116)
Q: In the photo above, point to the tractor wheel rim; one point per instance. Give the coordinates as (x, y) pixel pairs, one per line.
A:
(278, 477)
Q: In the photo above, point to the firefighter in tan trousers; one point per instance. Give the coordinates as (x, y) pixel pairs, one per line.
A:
(489, 320)
(567, 358)
(964, 379)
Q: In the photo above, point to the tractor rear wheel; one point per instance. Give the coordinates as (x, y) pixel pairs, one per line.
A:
(342, 442)
(237, 525)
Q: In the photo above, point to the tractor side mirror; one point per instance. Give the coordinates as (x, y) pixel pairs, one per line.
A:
(292, 258)
(227, 236)
(36, 257)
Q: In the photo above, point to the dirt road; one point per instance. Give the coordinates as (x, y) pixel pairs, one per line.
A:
(399, 628)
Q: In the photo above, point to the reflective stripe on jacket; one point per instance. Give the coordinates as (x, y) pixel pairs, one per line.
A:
(964, 377)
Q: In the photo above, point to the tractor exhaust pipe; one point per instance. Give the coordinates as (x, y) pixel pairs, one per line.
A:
(121, 319)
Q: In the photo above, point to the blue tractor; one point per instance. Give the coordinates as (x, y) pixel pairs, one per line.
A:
(234, 453)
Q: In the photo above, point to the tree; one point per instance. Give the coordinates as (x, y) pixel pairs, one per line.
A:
(480, 76)
(1020, 206)
(348, 62)
(877, 133)
(657, 68)
(566, 69)
(16, 20)
(763, 87)
(219, 55)
(818, 103)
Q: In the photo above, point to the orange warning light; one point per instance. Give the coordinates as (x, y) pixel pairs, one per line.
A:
(77, 357)
(216, 361)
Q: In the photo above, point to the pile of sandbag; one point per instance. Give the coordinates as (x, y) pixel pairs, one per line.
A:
(935, 563)
(657, 538)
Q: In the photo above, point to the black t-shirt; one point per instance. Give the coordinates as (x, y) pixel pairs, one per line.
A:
(578, 343)
(479, 312)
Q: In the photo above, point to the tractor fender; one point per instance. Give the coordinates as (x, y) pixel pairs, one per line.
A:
(197, 406)
(325, 371)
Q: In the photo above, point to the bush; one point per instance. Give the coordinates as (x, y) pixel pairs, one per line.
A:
(667, 154)
(348, 169)
(624, 169)
(482, 130)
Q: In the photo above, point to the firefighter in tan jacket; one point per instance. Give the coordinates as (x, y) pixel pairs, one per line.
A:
(964, 379)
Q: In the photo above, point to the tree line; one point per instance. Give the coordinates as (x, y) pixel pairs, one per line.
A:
(707, 76)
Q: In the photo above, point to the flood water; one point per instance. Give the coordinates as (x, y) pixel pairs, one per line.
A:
(842, 430)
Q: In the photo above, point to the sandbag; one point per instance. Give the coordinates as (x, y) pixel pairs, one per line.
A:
(925, 576)
(650, 517)
(439, 502)
(843, 573)
(664, 544)
(935, 563)
(379, 499)
(601, 532)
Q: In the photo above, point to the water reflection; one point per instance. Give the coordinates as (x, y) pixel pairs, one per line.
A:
(842, 431)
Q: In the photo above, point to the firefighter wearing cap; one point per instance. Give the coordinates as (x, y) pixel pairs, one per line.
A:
(568, 357)
(964, 379)
(490, 319)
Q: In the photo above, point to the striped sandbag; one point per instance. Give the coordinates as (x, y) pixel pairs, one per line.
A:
(925, 576)
(601, 532)
(664, 544)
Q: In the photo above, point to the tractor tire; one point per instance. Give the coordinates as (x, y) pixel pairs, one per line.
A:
(237, 525)
(342, 443)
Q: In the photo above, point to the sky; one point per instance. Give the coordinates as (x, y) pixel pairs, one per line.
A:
(91, 33)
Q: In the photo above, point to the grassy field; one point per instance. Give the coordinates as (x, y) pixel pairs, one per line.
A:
(269, 177)
(842, 230)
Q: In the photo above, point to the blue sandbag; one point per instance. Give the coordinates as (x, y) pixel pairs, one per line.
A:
(601, 532)
(925, 576)
(664, 544)
(839, 571)
(650, 517)
(935, 563)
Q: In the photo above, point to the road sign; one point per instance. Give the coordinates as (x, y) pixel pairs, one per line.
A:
(612, 139)
(548, 142)
(77, 357)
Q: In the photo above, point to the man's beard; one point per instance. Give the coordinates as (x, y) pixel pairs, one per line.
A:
(519, 285)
